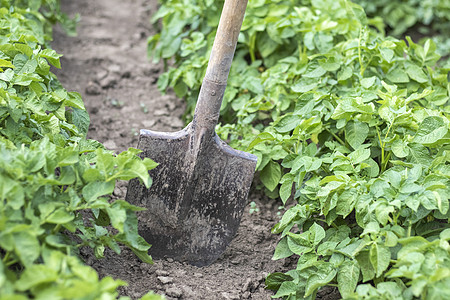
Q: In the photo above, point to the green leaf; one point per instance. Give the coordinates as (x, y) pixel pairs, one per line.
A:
(35, 275)
(282, 250)
(286, 187)
(95, 189)
(346, 202)
(286, 288)
(152, 296)
(380, 258)
(365, 264)
(27, 247)
(299, 243)
(81, 120)
(52, 57)
(397, 75)
(322, 277)
(275, 280)
(400, 148)
(6, 63)
(368, 82)
(419, 154)
(270, 176)
(287, 123)
(416, 73)
(60, 216)
(356, 133)
(264, 136)
(348, 277)
(118, 215)
(359, 155)
(317, 233)
(431, 130)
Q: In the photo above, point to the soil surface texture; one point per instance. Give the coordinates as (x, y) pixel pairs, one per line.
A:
(107, 63)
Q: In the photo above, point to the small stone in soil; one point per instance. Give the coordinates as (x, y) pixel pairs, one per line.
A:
(160, 112)
(161, 273)
(177, 123)
(109, 81)
(114, 68)
(248, 285)
(170, 260)
(101, 74)
(93, 89)
(229, 296)
(110, 145)
(174, 292)
(148, 123)
(165, 280)
(198, 275)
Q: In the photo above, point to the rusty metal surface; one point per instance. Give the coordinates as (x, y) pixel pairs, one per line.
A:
(196, 202)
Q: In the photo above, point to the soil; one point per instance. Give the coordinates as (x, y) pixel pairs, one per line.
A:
(107, 63)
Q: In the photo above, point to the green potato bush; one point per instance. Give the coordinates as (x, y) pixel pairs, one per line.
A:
(351, 127)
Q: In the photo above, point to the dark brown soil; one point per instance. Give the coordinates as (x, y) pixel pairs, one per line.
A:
(107, 63)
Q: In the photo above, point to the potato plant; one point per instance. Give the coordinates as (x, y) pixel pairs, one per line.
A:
(54, 183)
(352, 131)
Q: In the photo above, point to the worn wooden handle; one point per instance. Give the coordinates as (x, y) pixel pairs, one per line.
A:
(225, 42)
(215, 81)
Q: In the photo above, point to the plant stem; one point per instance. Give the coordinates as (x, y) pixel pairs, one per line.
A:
(336, 137)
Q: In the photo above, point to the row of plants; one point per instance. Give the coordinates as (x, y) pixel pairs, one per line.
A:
(422, 18)
(352, 132)
(55, 183)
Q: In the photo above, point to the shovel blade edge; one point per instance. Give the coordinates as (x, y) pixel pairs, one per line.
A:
(197, 198)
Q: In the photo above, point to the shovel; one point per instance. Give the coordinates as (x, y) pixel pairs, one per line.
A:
(201, 184)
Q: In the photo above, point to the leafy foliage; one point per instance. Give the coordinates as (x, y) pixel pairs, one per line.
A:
(429, 17)
(351, 124)
(54, 183)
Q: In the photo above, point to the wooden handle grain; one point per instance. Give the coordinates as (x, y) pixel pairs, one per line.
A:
(211, 93)
(225, 42)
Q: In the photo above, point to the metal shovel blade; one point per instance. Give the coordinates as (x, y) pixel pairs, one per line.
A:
(196, 202)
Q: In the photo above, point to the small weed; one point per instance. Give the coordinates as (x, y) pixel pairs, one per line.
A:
(253, 207)
(143, 108)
